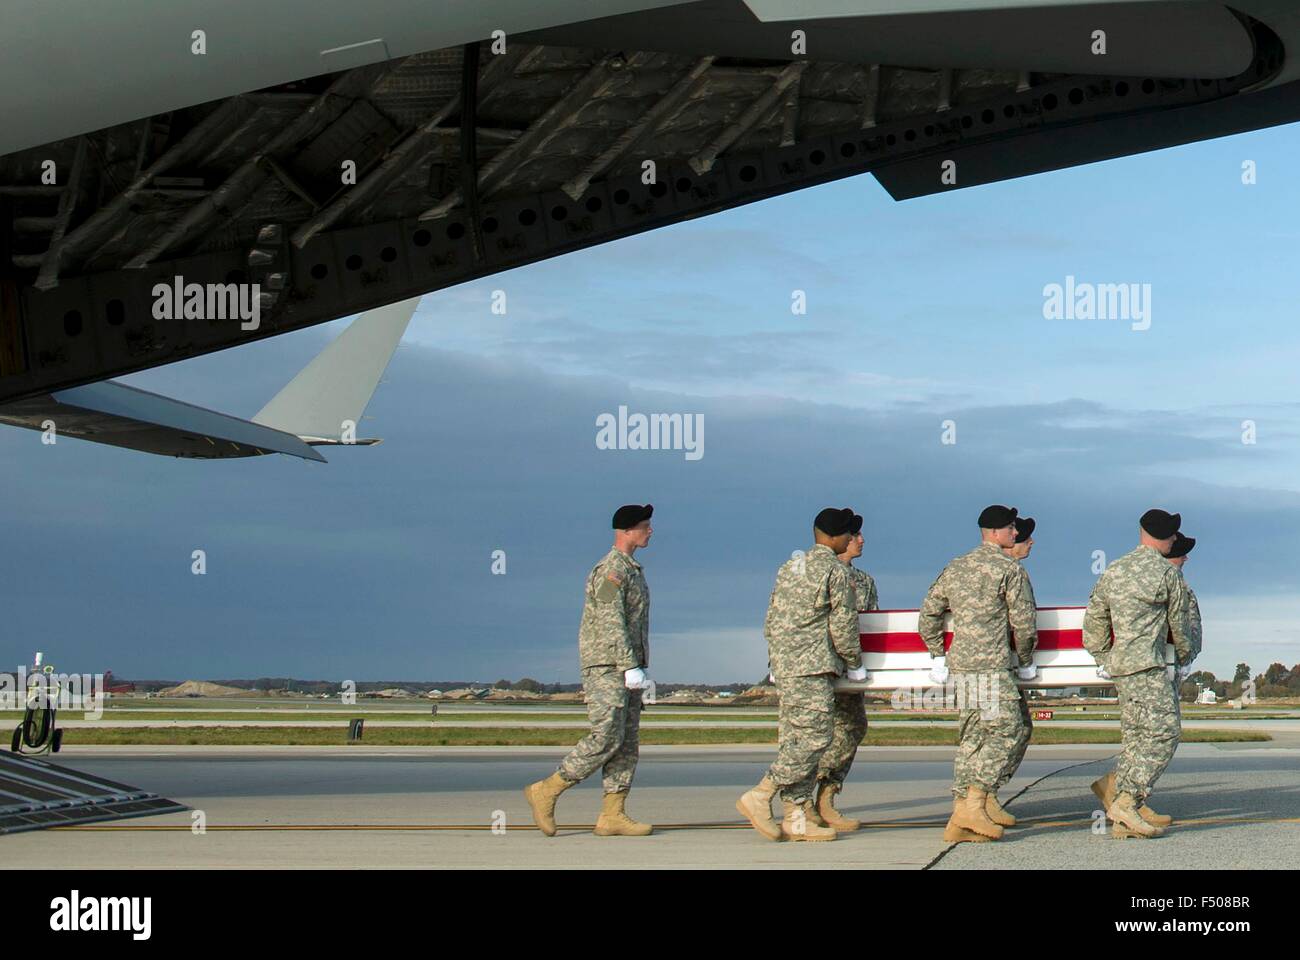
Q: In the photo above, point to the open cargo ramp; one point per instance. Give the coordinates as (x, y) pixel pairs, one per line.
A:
(35, 794)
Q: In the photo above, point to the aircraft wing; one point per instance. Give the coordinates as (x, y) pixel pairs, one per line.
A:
(121, 416)
(328, 397)
(320, 406)
(896, 657)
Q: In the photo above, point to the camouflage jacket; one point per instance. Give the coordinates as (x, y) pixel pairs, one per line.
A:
(1193, 624)
(615, 628)
(1140, 598)
(864, 589)
(988, 593)
(1029, 588)
(812, 617)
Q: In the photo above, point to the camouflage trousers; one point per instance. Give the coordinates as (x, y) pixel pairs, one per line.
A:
(615, 739)
(806, 730)
(1150, 723)
(991, 728)
(848, 727)
(1021, 745)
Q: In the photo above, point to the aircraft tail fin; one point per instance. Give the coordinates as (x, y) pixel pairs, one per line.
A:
(334, 389)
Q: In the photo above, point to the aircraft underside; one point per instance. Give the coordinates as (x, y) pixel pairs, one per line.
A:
(346, 191)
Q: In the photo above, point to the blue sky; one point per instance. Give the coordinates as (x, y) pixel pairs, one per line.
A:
(377, 565)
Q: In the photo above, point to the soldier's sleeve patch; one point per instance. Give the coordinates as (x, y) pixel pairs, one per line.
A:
(608, 589)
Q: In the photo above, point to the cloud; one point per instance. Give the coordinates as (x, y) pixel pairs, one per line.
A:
(378, 565)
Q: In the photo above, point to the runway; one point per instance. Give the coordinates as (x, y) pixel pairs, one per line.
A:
(363, 807)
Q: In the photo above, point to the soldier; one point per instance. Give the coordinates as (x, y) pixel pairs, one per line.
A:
(986, 592)
(1178, 556)
(849, 714)
(1017, 552)
(1104, 788)
(1138, 602)
(614, 650)
(812, 637)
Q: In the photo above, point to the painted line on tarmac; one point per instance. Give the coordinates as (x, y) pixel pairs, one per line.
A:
(588, 827)
(461, 827)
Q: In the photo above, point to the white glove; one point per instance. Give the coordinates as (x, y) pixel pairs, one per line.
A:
(1103, 673)
(857, 673)
(635, 679)
(771, 679)
(1027, 673)
(939, 670)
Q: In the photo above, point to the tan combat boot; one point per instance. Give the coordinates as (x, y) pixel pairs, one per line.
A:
(797, 825)
(1128, 822)
(541, 796)
(814, 816)
(825, 807)
(971, 815)
(996, 811)
(1105, 791)
(756, 807)
(1153, 818)
(614, 821)
(953, 833)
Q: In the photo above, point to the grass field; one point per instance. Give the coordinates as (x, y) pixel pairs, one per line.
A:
(519, 736)
(523, 718)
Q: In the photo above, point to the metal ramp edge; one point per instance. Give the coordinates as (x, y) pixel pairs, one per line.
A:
(35, 794)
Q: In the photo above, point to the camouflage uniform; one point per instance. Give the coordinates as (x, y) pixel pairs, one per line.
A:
(1142, 599)
(849, 712)
(1194, 641)
(1022, 743)
(986, 591)
(613, 638)
(812, 634)
(1193, 625)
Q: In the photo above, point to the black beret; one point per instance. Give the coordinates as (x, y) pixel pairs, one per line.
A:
(1182, 546)
(995, 516)
(628, 516)
(1160, 524)
(856, 525)
(1024, 528)
(834, 522)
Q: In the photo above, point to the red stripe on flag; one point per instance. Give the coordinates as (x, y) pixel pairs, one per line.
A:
(1060, 639)
(905, 642)
(901, 642)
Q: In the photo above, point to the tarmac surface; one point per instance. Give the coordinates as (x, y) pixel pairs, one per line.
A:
(580, 723)
(411, 807)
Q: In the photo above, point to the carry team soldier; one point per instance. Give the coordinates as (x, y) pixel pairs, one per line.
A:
(1178, 556)
(1137, 604)
(1018, 551)
(849, 715)
(988, 593)
(812, 637)
(614, 651)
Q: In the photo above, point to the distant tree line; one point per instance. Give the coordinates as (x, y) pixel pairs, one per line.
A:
(1276, 681)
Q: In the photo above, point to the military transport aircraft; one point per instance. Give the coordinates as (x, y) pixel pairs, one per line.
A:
(183, 177)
